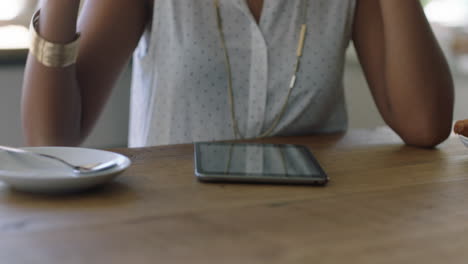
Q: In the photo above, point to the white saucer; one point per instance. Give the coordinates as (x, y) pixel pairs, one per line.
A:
(464, 140)
(27, 172)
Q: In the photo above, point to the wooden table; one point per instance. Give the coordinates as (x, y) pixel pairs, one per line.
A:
(386, 203)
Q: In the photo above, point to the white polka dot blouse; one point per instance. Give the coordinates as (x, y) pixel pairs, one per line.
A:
(179, 85)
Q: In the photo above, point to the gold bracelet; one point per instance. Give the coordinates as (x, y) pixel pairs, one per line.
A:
(52, 54)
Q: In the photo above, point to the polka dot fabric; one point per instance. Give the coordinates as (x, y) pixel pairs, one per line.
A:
(179, 86)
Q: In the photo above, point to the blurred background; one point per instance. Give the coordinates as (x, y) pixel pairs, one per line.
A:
(449, 19)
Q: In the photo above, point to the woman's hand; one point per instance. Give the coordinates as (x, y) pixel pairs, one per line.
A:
(461, 127)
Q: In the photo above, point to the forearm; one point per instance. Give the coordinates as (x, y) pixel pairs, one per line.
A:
(51, 105)
(58, 20)
(419, 86)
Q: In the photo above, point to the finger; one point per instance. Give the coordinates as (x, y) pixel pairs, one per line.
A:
(461, 127)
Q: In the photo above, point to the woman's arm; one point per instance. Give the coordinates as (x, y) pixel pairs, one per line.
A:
(405, 68)
(61, 105)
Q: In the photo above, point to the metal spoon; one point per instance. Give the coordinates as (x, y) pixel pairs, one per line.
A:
(86, 168)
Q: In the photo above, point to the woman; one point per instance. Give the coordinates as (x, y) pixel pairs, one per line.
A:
(208, 70)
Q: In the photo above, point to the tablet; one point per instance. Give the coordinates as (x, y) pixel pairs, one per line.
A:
(260, 163)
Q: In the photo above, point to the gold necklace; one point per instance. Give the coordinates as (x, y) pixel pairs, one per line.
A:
(300, 47)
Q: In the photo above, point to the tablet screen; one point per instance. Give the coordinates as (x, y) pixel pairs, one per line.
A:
(256, 160)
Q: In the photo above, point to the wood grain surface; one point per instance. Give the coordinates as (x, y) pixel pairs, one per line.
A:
(385, 203)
